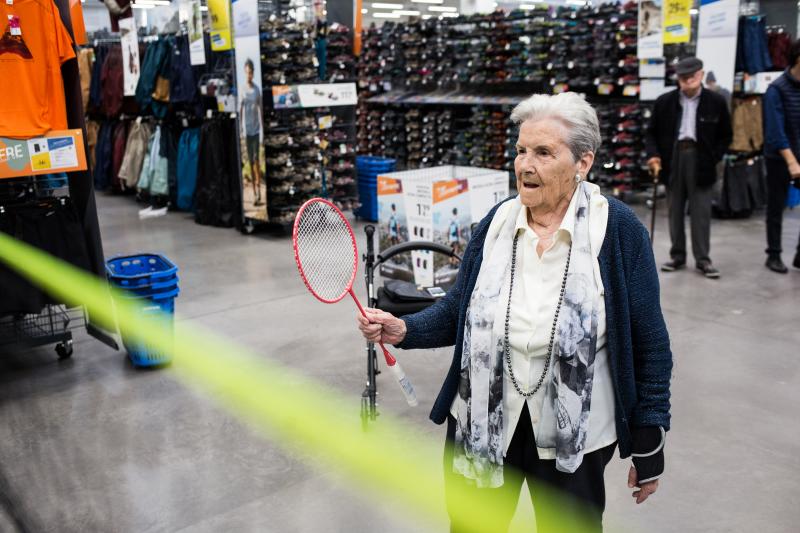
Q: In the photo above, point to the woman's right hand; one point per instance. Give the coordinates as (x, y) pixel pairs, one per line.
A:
(380, 326)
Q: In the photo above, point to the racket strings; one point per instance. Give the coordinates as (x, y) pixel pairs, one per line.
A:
(325, 251)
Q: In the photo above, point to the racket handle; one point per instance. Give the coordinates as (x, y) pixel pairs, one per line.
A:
(405, 384)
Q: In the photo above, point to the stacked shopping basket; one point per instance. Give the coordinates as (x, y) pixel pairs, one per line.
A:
(368, 169)
(152, 281)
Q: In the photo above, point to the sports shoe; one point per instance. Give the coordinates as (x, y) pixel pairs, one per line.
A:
(708, 270)
(775, 264)
(673, 265)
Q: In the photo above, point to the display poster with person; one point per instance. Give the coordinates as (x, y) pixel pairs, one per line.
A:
(130, 55)
(250, 106)
(651, 38)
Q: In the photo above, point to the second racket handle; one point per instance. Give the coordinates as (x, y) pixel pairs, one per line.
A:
(405, 384)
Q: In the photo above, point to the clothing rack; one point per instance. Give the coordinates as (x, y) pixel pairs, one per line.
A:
(55, 322)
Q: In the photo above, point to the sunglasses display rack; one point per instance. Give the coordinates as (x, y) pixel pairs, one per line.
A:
(479, 66)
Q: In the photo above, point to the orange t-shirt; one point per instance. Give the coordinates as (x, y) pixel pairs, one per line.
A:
(33, 45)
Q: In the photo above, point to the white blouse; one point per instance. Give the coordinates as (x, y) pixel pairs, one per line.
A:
(537, 285)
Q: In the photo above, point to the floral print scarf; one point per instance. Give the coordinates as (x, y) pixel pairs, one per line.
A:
(479, 441)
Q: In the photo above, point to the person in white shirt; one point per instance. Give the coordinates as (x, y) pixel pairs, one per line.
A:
(561, 351)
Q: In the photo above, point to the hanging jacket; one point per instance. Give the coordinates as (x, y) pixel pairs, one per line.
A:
(218, 195)
(135, 151)
(187, 168)
(182, 84)
(112, 79)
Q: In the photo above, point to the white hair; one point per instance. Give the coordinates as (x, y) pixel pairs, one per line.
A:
(571, 109)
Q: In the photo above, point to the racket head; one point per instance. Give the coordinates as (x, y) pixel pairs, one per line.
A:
(325, 250)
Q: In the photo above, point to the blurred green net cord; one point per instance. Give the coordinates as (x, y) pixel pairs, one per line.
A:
(295, 412)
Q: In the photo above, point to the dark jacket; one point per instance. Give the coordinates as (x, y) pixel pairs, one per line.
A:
(714, 133)
(782, 116)
(637, 339)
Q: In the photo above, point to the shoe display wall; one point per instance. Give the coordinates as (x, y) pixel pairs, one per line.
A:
(591, 49)
(294, 162)
(341, 63)
(338, 158)
(620, 164)
(291, 136)
(309, 152)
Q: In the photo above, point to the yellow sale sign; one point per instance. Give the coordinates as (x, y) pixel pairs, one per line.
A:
(220, 15)
(677, 21)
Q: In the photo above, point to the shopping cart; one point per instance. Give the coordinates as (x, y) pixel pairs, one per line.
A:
(379, 298)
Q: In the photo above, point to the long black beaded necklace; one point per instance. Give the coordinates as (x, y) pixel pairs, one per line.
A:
(506, 344)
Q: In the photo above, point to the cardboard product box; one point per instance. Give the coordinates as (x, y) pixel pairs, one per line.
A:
(758, 83)
(437, 204)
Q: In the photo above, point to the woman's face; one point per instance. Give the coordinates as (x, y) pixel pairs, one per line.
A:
(544, 166)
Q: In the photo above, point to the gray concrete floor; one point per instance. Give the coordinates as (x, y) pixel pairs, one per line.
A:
(92, 444)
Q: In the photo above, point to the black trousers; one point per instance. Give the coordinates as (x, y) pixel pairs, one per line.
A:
(50, 226)
(778, 183)
(582, 494)
(683, 188)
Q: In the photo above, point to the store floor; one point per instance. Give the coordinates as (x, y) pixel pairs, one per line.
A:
(92, 444)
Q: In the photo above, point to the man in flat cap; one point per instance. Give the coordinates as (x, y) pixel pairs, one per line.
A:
(688, 134)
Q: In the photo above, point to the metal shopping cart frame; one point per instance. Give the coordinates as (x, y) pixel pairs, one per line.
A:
(372, 264)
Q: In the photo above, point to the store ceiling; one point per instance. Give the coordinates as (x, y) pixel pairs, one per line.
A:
(400, 10)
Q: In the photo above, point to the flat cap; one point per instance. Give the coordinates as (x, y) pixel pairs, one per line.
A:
(688, 65)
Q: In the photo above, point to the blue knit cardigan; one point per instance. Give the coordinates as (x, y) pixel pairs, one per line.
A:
(637, 339)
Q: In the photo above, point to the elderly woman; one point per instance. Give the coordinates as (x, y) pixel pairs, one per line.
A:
(561, 351)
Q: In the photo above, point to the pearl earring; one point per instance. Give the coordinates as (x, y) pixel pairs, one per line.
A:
(577, 178)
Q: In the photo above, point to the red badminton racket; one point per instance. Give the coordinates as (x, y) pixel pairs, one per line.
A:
(327, 258)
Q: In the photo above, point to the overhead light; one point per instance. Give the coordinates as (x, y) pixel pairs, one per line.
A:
(203, 8)
(388, 6)
(364, 11)
(143, 6)
(427, 1)
(386, 15)
(407, 12)
(449, 15)
(443, 9)
(527, 7)
(426, 17)
(576, 2)
(694, 11)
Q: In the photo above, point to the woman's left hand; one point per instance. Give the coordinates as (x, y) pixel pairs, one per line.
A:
(645, 489)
